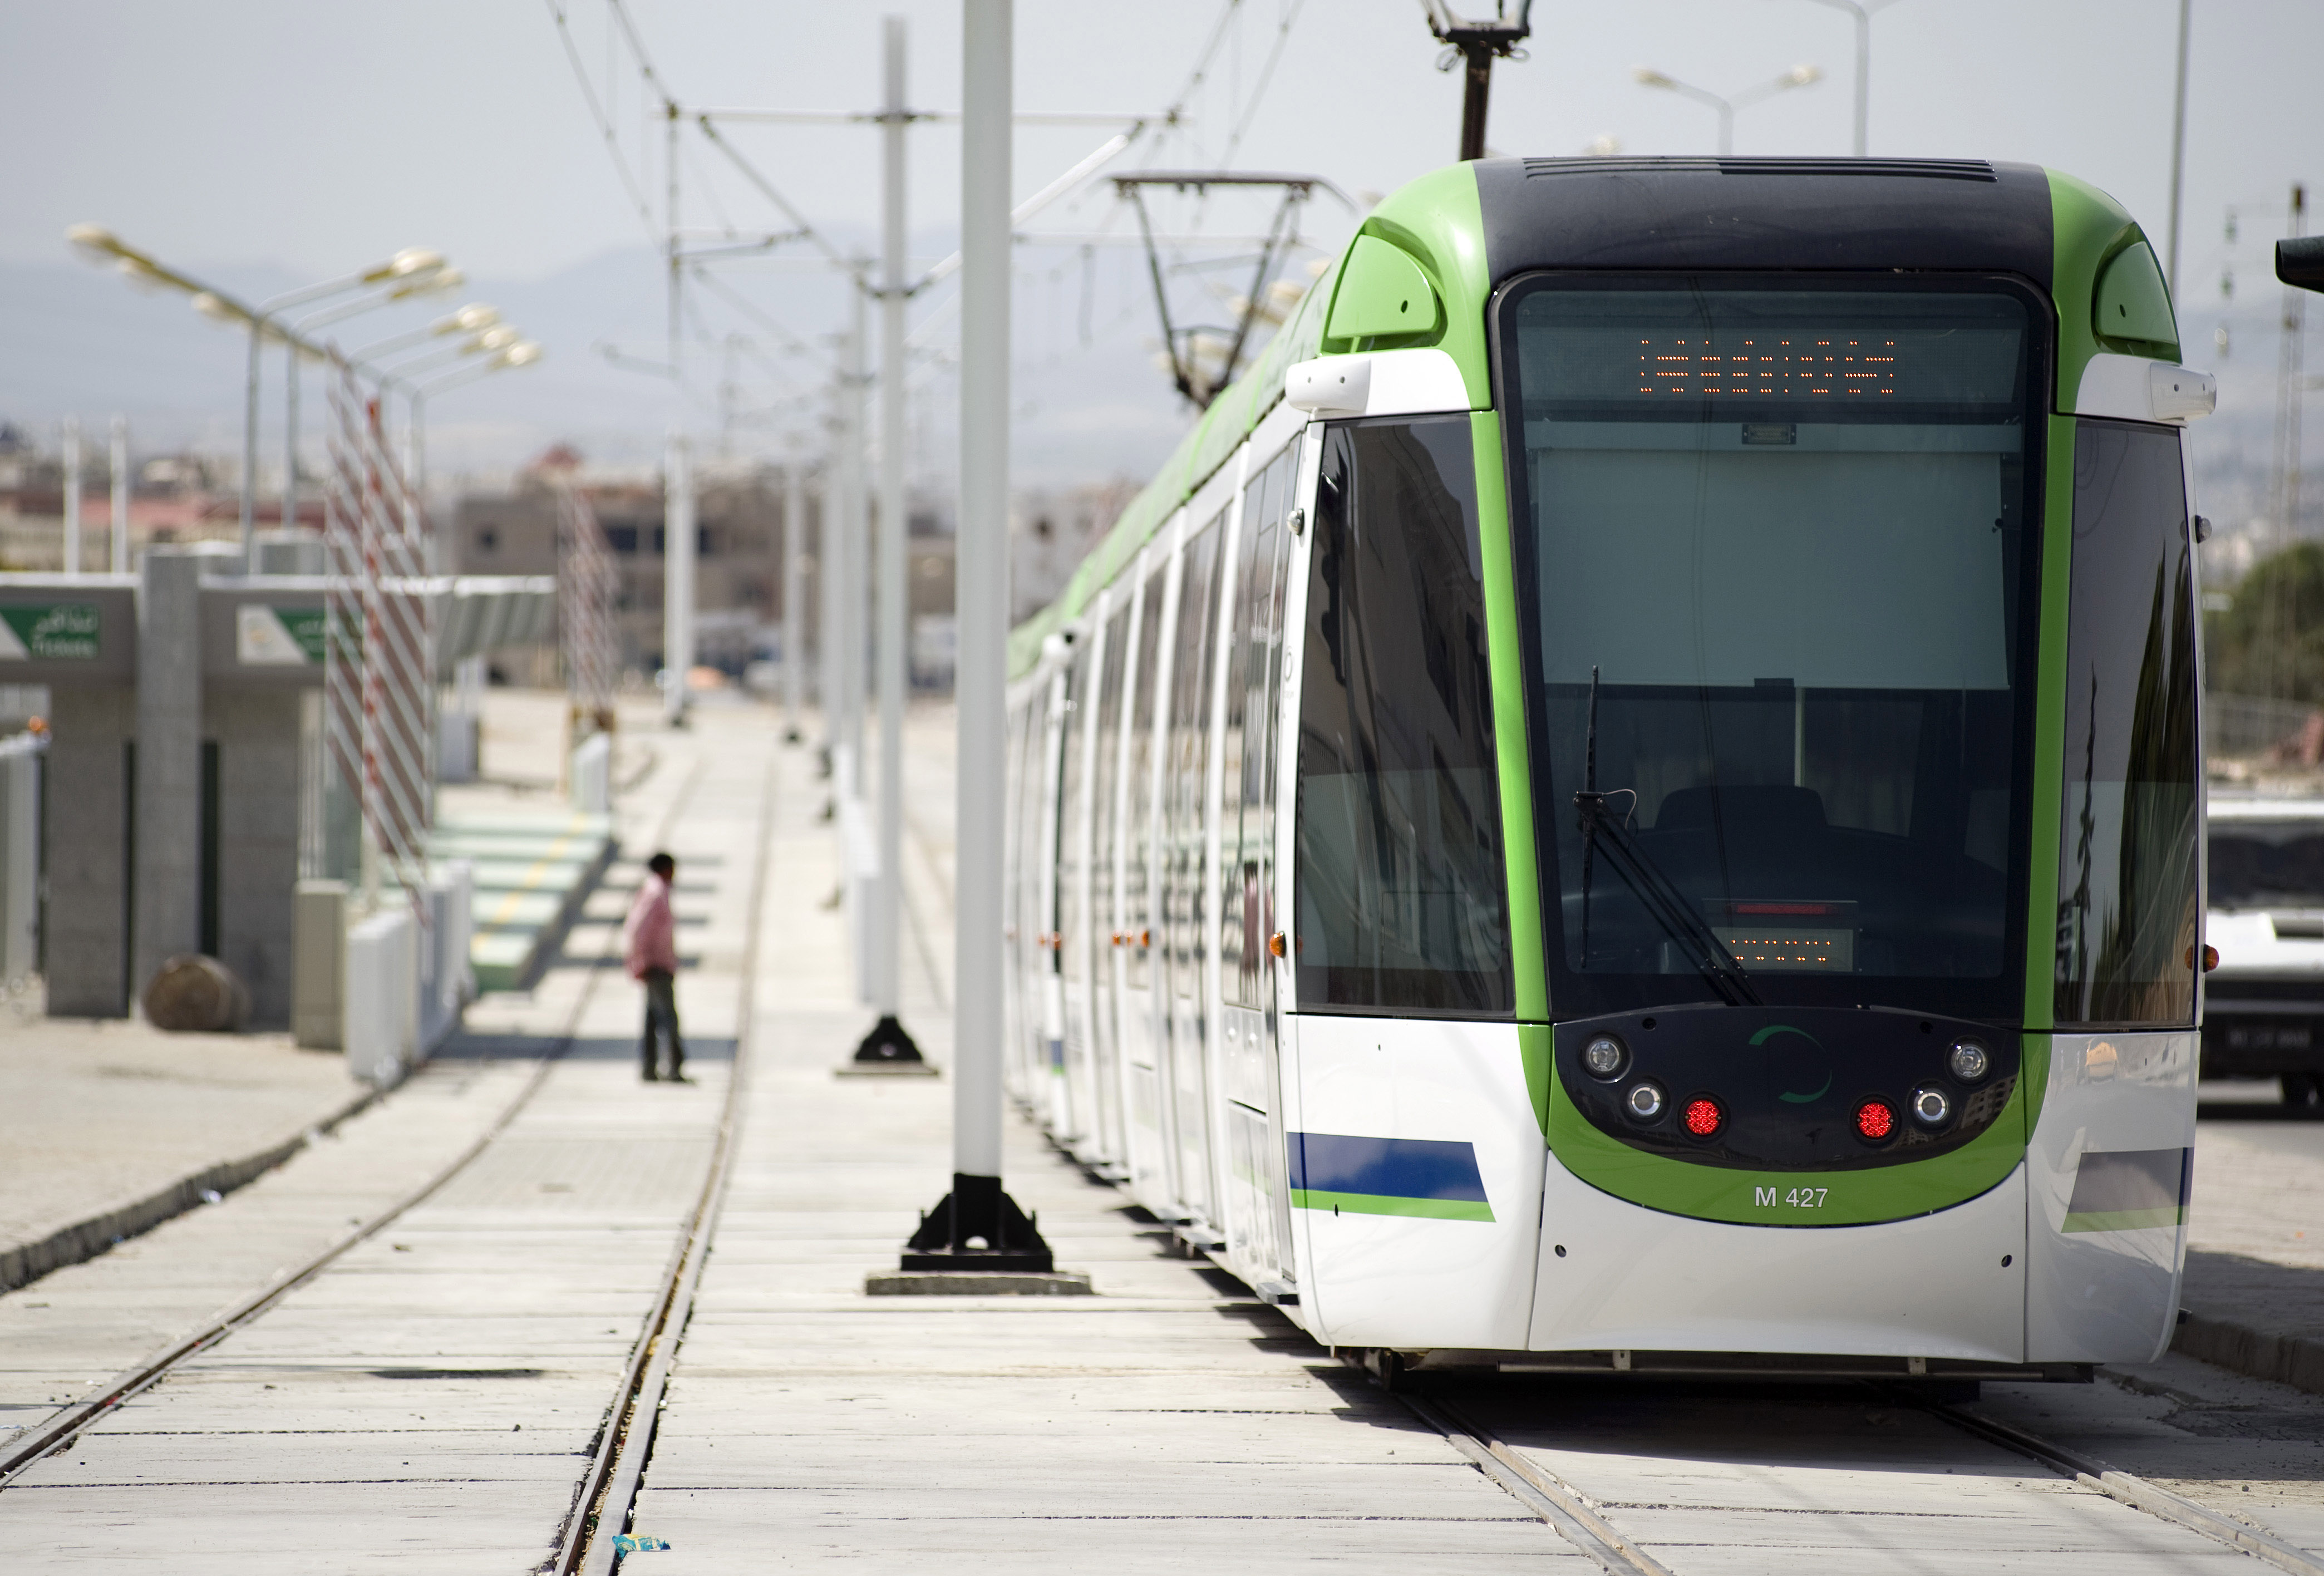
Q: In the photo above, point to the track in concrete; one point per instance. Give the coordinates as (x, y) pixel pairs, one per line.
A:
(60, 1431)
(126, 1429)
(1653, 1478)
(608, 1491)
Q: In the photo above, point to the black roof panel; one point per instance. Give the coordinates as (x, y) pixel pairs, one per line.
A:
(1767, 214)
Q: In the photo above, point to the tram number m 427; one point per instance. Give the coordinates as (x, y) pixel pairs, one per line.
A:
(1798, 1198)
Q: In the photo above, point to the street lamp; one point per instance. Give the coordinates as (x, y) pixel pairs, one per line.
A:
(414, 283)
(408, 269)
(1863, 12)
(507, 357)
(1797, 76)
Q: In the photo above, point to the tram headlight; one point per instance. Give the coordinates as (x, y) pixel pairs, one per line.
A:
(1875, 1121)
(1645, 1100)
(1931, 1107)
(1703, 1117)
(1605, 1057)
(1969, 1061)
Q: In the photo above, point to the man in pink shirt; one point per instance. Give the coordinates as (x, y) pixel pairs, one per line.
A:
(649, 943)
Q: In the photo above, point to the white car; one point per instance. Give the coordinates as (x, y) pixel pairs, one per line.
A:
(2263, 1006)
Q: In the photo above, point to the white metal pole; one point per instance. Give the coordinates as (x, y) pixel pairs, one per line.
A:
(887, 910)
(1863, 77)
(677, 575)
(982, 675)
(289, 442)
(249, 450)
(120, 458)
(794, 596)
(856, 538)
(830, 573)
(72, 495)
(2179, 143)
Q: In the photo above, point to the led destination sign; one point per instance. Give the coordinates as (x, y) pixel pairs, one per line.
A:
(1808, 368)
(1628, 349)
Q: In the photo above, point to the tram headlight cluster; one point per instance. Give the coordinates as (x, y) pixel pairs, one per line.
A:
(1969, 1061)
(1605, 1057)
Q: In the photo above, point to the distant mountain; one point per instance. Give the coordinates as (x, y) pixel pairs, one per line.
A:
(78, 339)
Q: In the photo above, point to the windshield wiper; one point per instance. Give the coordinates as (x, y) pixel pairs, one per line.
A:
(1663, 902)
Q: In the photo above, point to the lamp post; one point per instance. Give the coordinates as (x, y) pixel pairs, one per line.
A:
(119, 456)
(71, 457)
(505, 351)
(1797, 76)
(412, 266)
(1863, 11)
(420, 284)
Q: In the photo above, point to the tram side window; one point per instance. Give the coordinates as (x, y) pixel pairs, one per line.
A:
(1255, 666)
(2126, 891)
(1137, 836)
(1401, 890)
(1102, 830)
(1072, 818)
(1183, 771)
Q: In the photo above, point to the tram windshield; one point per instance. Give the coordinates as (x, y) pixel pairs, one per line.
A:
(1777, 559)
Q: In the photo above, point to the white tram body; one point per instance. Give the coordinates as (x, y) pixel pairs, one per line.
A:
(1445, 1181)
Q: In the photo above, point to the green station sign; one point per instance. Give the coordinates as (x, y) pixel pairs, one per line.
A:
(277, 637)
(53, 632)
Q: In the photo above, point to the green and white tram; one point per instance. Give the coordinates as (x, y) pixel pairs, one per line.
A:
(1629, 796)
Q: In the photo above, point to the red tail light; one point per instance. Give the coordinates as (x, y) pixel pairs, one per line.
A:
(1876, 1120)
(1702, 1117)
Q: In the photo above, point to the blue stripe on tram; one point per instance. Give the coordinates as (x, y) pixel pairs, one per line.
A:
(1386, 1167)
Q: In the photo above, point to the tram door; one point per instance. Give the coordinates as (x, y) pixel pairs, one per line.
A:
(1109, 649)
(1258, 1211)
(1185, 784)
(1140, 1034)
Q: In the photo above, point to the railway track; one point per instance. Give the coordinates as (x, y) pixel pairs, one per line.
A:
(619, 1445)
(608, 1491)
(1583, 1521)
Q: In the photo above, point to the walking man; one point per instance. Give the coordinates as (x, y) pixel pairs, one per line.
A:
(649, 941)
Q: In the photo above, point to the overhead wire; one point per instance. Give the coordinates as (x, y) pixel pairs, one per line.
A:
(760, 315)
(605, 129)
(1258, 89)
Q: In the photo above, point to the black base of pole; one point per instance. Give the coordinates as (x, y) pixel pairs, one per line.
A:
(977, 1226)
(888, 1042)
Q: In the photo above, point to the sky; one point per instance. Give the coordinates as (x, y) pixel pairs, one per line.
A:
(272, 142)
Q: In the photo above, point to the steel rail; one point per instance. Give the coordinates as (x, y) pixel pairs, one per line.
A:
(69, 1423)
(1538, 1490)
(1574, 1516)
(606, 1495)
(2134, 1491)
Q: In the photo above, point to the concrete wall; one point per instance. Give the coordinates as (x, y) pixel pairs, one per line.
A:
(87, 850)
(256, 731)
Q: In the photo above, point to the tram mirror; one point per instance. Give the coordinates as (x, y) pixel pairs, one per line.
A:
(2301, 262)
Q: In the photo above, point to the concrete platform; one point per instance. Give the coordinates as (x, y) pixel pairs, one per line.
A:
(111, 1127)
